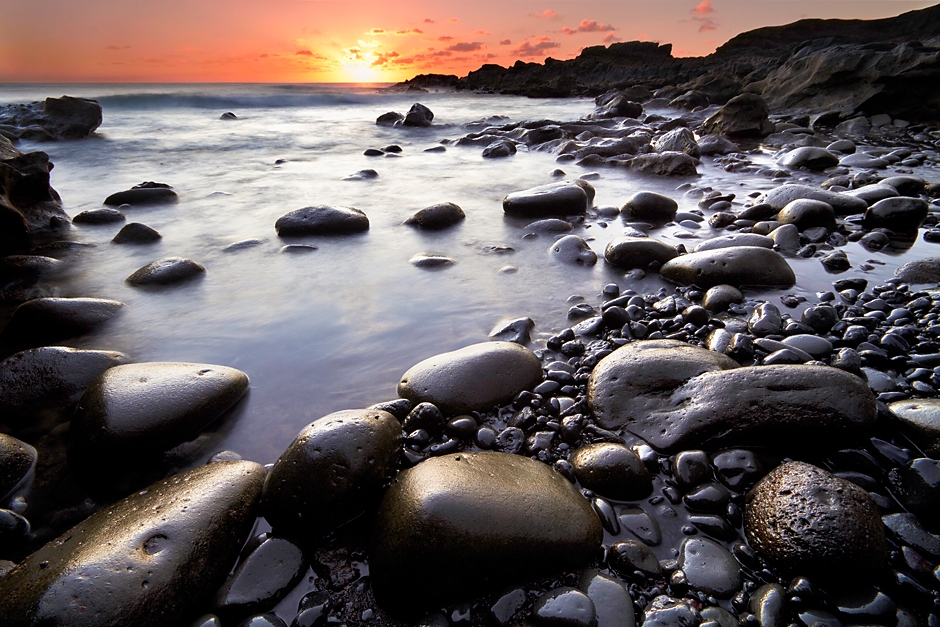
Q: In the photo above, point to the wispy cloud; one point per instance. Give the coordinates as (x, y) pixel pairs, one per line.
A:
(702, 14)
(610, 38)
(505, 42)
(467, 46)
(589, 26)
(535, 47)
(547, 14)
(304, 53)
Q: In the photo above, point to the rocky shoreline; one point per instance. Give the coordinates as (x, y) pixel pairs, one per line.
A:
(683, 457)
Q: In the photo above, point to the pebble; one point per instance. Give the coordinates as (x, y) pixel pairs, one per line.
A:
(136, 233)
(709, 567)
(166, 271)
(564, 606)
(611, 470)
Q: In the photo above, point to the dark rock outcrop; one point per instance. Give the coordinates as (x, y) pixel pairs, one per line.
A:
(43, 321)
(322, 220)
(28, 204)
(743, 116)
(146, 193)
(51, 119)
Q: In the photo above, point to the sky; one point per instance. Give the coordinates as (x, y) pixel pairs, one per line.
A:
(361, 40)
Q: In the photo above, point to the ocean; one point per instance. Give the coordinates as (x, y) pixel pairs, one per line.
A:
(334, 328)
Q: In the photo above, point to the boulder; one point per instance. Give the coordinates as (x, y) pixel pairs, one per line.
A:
(842, 204)
(166, 271)
(474, 378)
(28, 204)
(805, 521)
(146, 193)
(620, 106)
(136, 233)
(612, 471)
(499, 148)
(810, 157)
(745, 115)
(99, 216)
(389, 119)
(263, 577)
(322, 220)
(162, 551)
(920, 420)
(738, 266)
(456, 526)
(332, 472)
(690, 100)
(418, 115)
(638, 252)
(677, 398)
(709, 567)
(665, 164)
(133, 412)
(649, 206)
(573, 250)
(734, 239)
(901, 213)
(545, 201)
(52, 119)
(17, 462)
(920, 271)
(678, 140)
(439, 216)
(717, 145)
(806, 213)
(51, 377)
(874, 192)
(43, 321)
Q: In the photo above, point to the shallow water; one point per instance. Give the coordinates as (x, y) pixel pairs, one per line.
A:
(334, 328)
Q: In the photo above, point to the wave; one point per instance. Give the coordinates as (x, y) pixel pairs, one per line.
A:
(285, 96)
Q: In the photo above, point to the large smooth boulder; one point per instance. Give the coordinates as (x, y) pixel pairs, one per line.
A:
(51, 377)
(150, 560)
(810, 157)
(742, 116)
(572, 250)
(166, 271)
(333, 470)
(668, 163)
(17, 461)
(734, 239)
(146, 193)
(920, 271)
(612, 471)
(418, 115)
(456, 526)
(133, 412)
(439, 216)
(322, 220)
(676, 398)
(28, 204)
(553, 200)
(738, 266)
(806, 213)
(710, 567)
(474, 378)
(920, 419)
(805, 521)
(901, 213)
(46, 320)
(638, 252)
(649, 206)
(842, 204)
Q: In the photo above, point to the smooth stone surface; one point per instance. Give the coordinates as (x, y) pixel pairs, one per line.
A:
(262, 578)
(630, 556)
(900, 213)
(804, 520)
(474, 378)
(719, 297)
(553, 200)
(745, 115)
(734, 239)
(333, 470)
(842, 204)
(675, 403)
(669, 163)
(564, 607)
(136, 233)
(819, 347)
(738, 266)
(99, 216)
(163, 551)
(439, 216)
(166, 271)
(573, 250)
(806, 213)
(769, 605)
(920, 271)
(810, 157)
(920, 420)
(668, 612)
(17, 461)
(612, 471)
(134, 411)
(322, 220)
(502, 518)
(47, 320)
(908, 529)
(143, 194)
(638, 252)
(650, 206)
(613, 606)
(709, 567)
(430, 260)
(49, 377)
(916, 485)
(874, 192)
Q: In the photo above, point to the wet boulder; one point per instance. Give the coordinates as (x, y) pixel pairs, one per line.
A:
(418, 115)
(51, 377)
(573, 250)
(612, 471)
(456, 526)
(649, 206)
(163, 551)
(612, 603)
(430, 261)
(842, 204)
(745, 115)
(147, 193)
(920, 271)
(638, 252)
(546, 201)
(920, 419)
(500, 148)
(166, 271)
(676, 398)
(806, 213)
(734, 239)
(322, 220)
(134, 412)
(439, 216)
(105, 215)
(709, 567)
(901, 213)
(678, 140)
(668, 163)
(43, 321)
(262, 578)
(389, 119)
(52, 119)
(333, 470)
(738, 266)
(804, 520)
(810, 157)
(717, 145)
(874, 192)
(136, 233)
(17, 461)
(28, 204)
(620, 106)
(474, 378)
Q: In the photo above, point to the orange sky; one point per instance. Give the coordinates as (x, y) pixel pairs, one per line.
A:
(360, 40)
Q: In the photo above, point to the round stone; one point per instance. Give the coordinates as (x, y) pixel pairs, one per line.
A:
(612, 471)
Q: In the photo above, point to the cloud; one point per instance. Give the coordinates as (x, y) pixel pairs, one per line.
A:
(534, 49)
(412, 31)
(467, 46)
(547, 14)
(589, 26)
(481, 33)
(384, 58)
(428, 20)
(304, 53)
(444, 38)
(610, 38)
(377, 31)
(701, 14)
(505, 42)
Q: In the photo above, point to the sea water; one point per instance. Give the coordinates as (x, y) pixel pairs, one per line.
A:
(336, 327)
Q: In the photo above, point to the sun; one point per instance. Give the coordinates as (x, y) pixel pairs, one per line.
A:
(357, 73)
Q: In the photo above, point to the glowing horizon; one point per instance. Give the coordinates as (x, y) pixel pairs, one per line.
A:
(235, 41)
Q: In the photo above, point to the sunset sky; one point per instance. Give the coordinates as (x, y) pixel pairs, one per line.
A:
(360, 40)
